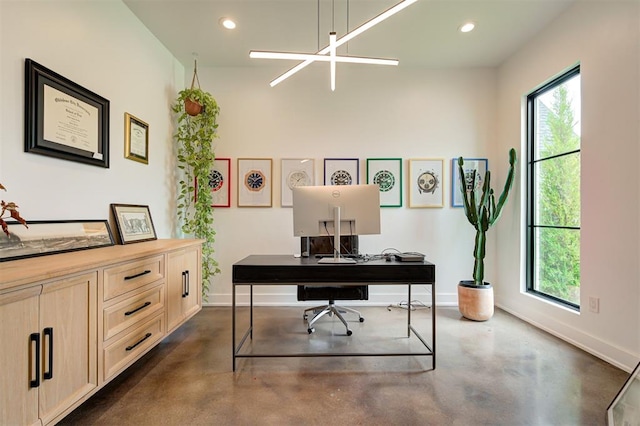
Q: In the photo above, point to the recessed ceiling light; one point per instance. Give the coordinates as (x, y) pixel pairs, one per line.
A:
(227, 23)
(466, 27)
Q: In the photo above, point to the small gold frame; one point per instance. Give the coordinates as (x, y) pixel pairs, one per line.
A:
(136, 139)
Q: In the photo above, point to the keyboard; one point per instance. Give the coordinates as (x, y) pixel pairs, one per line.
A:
(347, 256)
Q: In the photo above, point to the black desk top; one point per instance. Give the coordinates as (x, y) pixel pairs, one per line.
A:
(287, 269)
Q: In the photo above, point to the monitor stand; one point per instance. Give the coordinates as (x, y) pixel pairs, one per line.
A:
(336, 241)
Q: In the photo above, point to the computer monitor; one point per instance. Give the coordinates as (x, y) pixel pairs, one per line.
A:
(317, 210)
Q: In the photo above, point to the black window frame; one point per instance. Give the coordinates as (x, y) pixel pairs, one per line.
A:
(531, 180)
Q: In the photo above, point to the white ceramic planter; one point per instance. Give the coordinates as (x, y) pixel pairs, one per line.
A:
(475, 302)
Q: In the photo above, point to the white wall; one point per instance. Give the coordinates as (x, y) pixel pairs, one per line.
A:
(374, 112)
(101, 46)
(604, 37)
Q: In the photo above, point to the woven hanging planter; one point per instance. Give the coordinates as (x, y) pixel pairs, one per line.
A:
(192, 106)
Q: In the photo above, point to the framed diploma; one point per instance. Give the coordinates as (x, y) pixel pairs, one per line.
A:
(63, 119)
(136, 139)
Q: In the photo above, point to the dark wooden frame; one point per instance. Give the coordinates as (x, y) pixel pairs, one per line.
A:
(36, 77)
(46, 242)
(125, 237)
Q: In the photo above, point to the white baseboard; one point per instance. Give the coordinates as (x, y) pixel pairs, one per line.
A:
(612, 354)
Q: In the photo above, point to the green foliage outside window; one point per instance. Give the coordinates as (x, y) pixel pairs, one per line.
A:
(559, 203)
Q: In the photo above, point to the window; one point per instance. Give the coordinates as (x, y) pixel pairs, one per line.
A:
(553, 196)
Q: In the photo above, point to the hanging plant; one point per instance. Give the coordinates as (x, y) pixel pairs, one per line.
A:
(194, 137)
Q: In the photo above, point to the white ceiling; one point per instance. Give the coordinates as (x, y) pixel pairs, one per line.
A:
(424, 34)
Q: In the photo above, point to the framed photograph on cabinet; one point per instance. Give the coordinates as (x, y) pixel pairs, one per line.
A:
(220, 182)
(387, 174)
(480, 165)
(133, 222)
(295, 172)
(255, 186)
(426, 182)
(136, 139)
(51, 237)
(63, 119)
(341, 171)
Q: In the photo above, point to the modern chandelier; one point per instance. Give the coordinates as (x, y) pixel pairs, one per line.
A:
(328, 53)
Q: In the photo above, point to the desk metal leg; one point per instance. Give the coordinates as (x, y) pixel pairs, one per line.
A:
(408, 310)
(233, 325)
(251, 310)
(433, 323)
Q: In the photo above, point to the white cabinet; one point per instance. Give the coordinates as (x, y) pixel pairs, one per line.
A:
(49, 349)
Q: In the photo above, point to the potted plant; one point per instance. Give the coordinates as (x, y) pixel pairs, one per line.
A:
(12, 209)
(475, 297)
(195, 154)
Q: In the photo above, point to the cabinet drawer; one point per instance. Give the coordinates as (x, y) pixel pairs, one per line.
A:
(133, 344)
(129, 276)
(132, 310)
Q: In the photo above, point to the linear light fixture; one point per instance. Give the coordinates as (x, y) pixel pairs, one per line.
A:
(333, 45)
(261, 54)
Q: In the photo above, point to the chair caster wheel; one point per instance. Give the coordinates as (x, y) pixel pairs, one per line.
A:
(349, 332)
(361, 319)
(310, 330)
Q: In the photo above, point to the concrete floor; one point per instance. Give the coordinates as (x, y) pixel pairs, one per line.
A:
(500, 372)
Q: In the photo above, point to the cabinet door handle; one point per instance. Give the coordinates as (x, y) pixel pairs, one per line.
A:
(137, 309)
(130, 277)
(146, 336)
(188, 282)
(184, 284)
(35, 358)
(48, 375)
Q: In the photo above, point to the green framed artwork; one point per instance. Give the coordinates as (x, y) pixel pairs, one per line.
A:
(387, 174)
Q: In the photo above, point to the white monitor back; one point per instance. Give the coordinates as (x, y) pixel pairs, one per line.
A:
(314, 210)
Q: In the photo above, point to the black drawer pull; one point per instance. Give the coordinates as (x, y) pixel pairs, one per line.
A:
(184, 284)
(48, 375)
(137, 275)
(188, 282)
(146, 336)
(35, 358)
(137, 309)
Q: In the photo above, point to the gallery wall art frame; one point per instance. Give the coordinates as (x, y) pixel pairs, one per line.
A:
(341, 171)
(134, 223)
(426, 183)
(387, 174)
(255, 183)
(136, 139)
(63, 119)
(295, 172)
(52, 237)
(220, 182)
(480, 165)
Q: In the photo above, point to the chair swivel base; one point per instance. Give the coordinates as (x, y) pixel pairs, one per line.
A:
(331, 309)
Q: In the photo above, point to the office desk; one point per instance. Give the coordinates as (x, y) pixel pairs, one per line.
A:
(259, 270)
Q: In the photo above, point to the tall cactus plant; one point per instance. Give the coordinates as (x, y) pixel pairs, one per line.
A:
(484, 213)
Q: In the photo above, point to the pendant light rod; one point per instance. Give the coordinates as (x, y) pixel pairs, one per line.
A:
(344, 39)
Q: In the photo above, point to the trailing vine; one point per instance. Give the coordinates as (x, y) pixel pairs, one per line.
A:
(194, 137)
